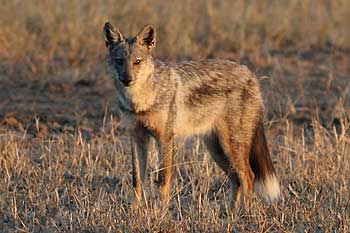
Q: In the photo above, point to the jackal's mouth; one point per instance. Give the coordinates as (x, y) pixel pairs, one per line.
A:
(127, 82)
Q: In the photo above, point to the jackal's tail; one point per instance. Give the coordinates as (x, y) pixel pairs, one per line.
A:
(266, 183)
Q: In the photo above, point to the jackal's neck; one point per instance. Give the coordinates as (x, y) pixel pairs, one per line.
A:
(153, 91)
(142, 94)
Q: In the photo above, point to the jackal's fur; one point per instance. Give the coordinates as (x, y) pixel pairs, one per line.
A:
(217, 99)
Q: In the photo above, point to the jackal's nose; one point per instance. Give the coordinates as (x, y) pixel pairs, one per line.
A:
(126, 80)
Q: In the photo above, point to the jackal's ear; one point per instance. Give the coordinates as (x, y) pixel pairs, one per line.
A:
(112, 36)
(147, 37)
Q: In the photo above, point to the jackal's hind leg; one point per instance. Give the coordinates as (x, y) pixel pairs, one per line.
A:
(214, 148)
(246, 178)
(237, 152)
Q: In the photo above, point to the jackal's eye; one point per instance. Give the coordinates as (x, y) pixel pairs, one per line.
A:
(119, 61)
(137, 61)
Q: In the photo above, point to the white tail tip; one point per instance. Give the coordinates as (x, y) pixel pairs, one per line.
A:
(268, 188)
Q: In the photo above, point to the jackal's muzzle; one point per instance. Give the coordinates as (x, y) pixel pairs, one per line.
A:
(125, 79)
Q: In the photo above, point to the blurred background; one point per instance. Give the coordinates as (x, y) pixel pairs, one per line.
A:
(64, 160)
(53, 59)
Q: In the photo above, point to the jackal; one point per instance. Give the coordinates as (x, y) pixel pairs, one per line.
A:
(217, 99)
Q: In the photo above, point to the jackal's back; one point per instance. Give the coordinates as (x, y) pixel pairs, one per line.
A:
(210, 89)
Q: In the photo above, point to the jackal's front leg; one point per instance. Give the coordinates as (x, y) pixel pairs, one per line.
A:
(139, 149)
(166, 151)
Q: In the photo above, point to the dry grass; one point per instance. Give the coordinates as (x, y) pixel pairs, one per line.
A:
(46, 35)
(64, 159)
(66, 183)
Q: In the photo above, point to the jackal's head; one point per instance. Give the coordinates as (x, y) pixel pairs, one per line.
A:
(130, 57)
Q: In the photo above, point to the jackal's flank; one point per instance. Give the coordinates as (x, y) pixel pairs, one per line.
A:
(217, 99)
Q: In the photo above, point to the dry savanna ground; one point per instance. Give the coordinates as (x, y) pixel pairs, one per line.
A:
(65, 164)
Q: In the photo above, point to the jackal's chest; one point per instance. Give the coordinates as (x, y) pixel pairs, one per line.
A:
(155, 122)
